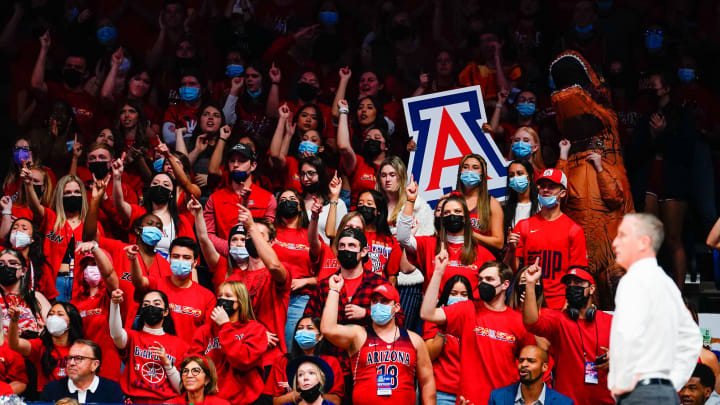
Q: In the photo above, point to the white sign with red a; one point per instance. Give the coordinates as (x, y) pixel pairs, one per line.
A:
(447, 126)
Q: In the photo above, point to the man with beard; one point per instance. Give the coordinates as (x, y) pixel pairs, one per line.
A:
(580, 335)
(699, 388)
(532, 364)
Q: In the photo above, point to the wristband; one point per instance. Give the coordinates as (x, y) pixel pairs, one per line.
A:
(335, 290)
(95, 245)
(7, 212)
(275, 83)
(411, 201)
(498, 105)
(222, 139)
(333, 202)
(343, 110)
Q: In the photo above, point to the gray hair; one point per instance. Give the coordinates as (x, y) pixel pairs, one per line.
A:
(648, 225)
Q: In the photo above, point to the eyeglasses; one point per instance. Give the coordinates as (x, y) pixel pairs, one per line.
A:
(78, 359)
(15, 265)
(195, 371)
(309, 174)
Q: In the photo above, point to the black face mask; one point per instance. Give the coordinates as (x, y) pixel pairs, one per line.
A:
(307, 91)
(576, 297)
(72, 203)
(8, 275)
(371, 149)
(227, 305)
(72, 78)
(250, 246)
(99, 169)
(453, 223)
(310, 394)
(348, 259)
(151, 315)
(38, 190)
(288, 209)
(368, 213)
(487, 291)
(521, 289)
(312, 188)
(159, 195)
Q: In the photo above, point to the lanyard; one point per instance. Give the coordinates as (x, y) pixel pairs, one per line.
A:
(582, 344)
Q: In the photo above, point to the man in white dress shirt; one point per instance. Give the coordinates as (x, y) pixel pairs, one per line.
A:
(654, 342)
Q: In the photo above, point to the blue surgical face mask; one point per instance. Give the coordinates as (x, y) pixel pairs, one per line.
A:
(454, 300)
(180, 268)
(583, 30)
(73, 14)
(381, 314)
(306, 339)
(189, 93)
(525, 109)
(519, 183)
(20, 155)
(239, 176)
(151, 235)
(239, 253)
(328, 17)
(255, 94)
(470, 178)
(653, 40)
(548, 202)
(106, 34)
(234, 70)
(521, 149)
(158, 165)
(307, 146)
(551, 83)
(686, 75)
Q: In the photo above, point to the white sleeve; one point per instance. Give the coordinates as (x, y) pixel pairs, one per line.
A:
(229, 109)
(425, 218)
(404, 233)
(688, 346)
(117, 332)
(174, 377)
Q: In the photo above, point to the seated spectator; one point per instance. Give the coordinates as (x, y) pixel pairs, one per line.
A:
(13, 376)
(532, 364)
(82, 383)
(199, 384)
(312, 379)
(700, 387)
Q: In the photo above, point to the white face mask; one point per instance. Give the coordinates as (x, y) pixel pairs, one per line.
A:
(56, 325)
(19, 239)
(92, 275)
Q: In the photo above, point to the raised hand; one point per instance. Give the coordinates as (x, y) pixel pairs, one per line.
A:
(6, 203)
(26, 173)
(335, 187)
(131, 251)
(411, 190)
(194, 206)
(533, 273)
(342, 104)
(225, 132)
(596, 160)
(345, 73)
(99, 187)
(275, 74)
(284, 112)
(219, 316)
(117, 296)
(236, 85)
(564, 149)
(441, 259)
(117, 57)
(45, 41)
(201, 142)
(424, 80)
(336, 282)
(163, 149)
(77, 148)
(85, 247)
(245, 216)
(513, 239)
(159, 351)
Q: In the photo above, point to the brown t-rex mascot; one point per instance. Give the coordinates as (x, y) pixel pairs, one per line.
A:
(596, 200)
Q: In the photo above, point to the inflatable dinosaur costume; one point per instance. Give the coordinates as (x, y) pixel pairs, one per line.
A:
(596, 201)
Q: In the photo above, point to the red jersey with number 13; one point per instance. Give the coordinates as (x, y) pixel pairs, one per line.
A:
(398, 360)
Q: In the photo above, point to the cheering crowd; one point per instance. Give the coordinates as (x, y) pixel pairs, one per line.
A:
(208, 201)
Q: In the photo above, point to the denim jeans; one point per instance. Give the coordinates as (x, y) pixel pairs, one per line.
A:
(295, 312)
(64, 286)
(445, 398)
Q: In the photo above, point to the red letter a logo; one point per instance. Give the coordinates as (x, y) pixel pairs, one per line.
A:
(447, 130)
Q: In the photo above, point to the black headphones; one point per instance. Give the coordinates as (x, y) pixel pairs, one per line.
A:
(574, 313)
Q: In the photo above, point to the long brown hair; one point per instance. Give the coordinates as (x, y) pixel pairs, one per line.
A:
(469, 250)
(483, 197)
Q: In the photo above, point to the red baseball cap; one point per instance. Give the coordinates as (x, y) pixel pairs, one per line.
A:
(90, 255)
(387, 291)
(580, 273)
(554, 175)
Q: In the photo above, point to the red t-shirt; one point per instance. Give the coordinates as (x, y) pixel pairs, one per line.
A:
(363, 178)
(190, 307)
(569, 340)
(327, 263)
(84, 106)
(12, 367)
(351, 285)
(425, 258)
(293, 250)
(446, 366)
(398, 360)
(291, 179)
(209, 400)
(36, 353)
(55, 244)
(94, 312)
(185, 223)
(559, 244)
(159, 268)
(236, 349)
(490, 342)
(274, 386)
(270, 301)
(181, 115)
(380, 248)
(144, 377)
